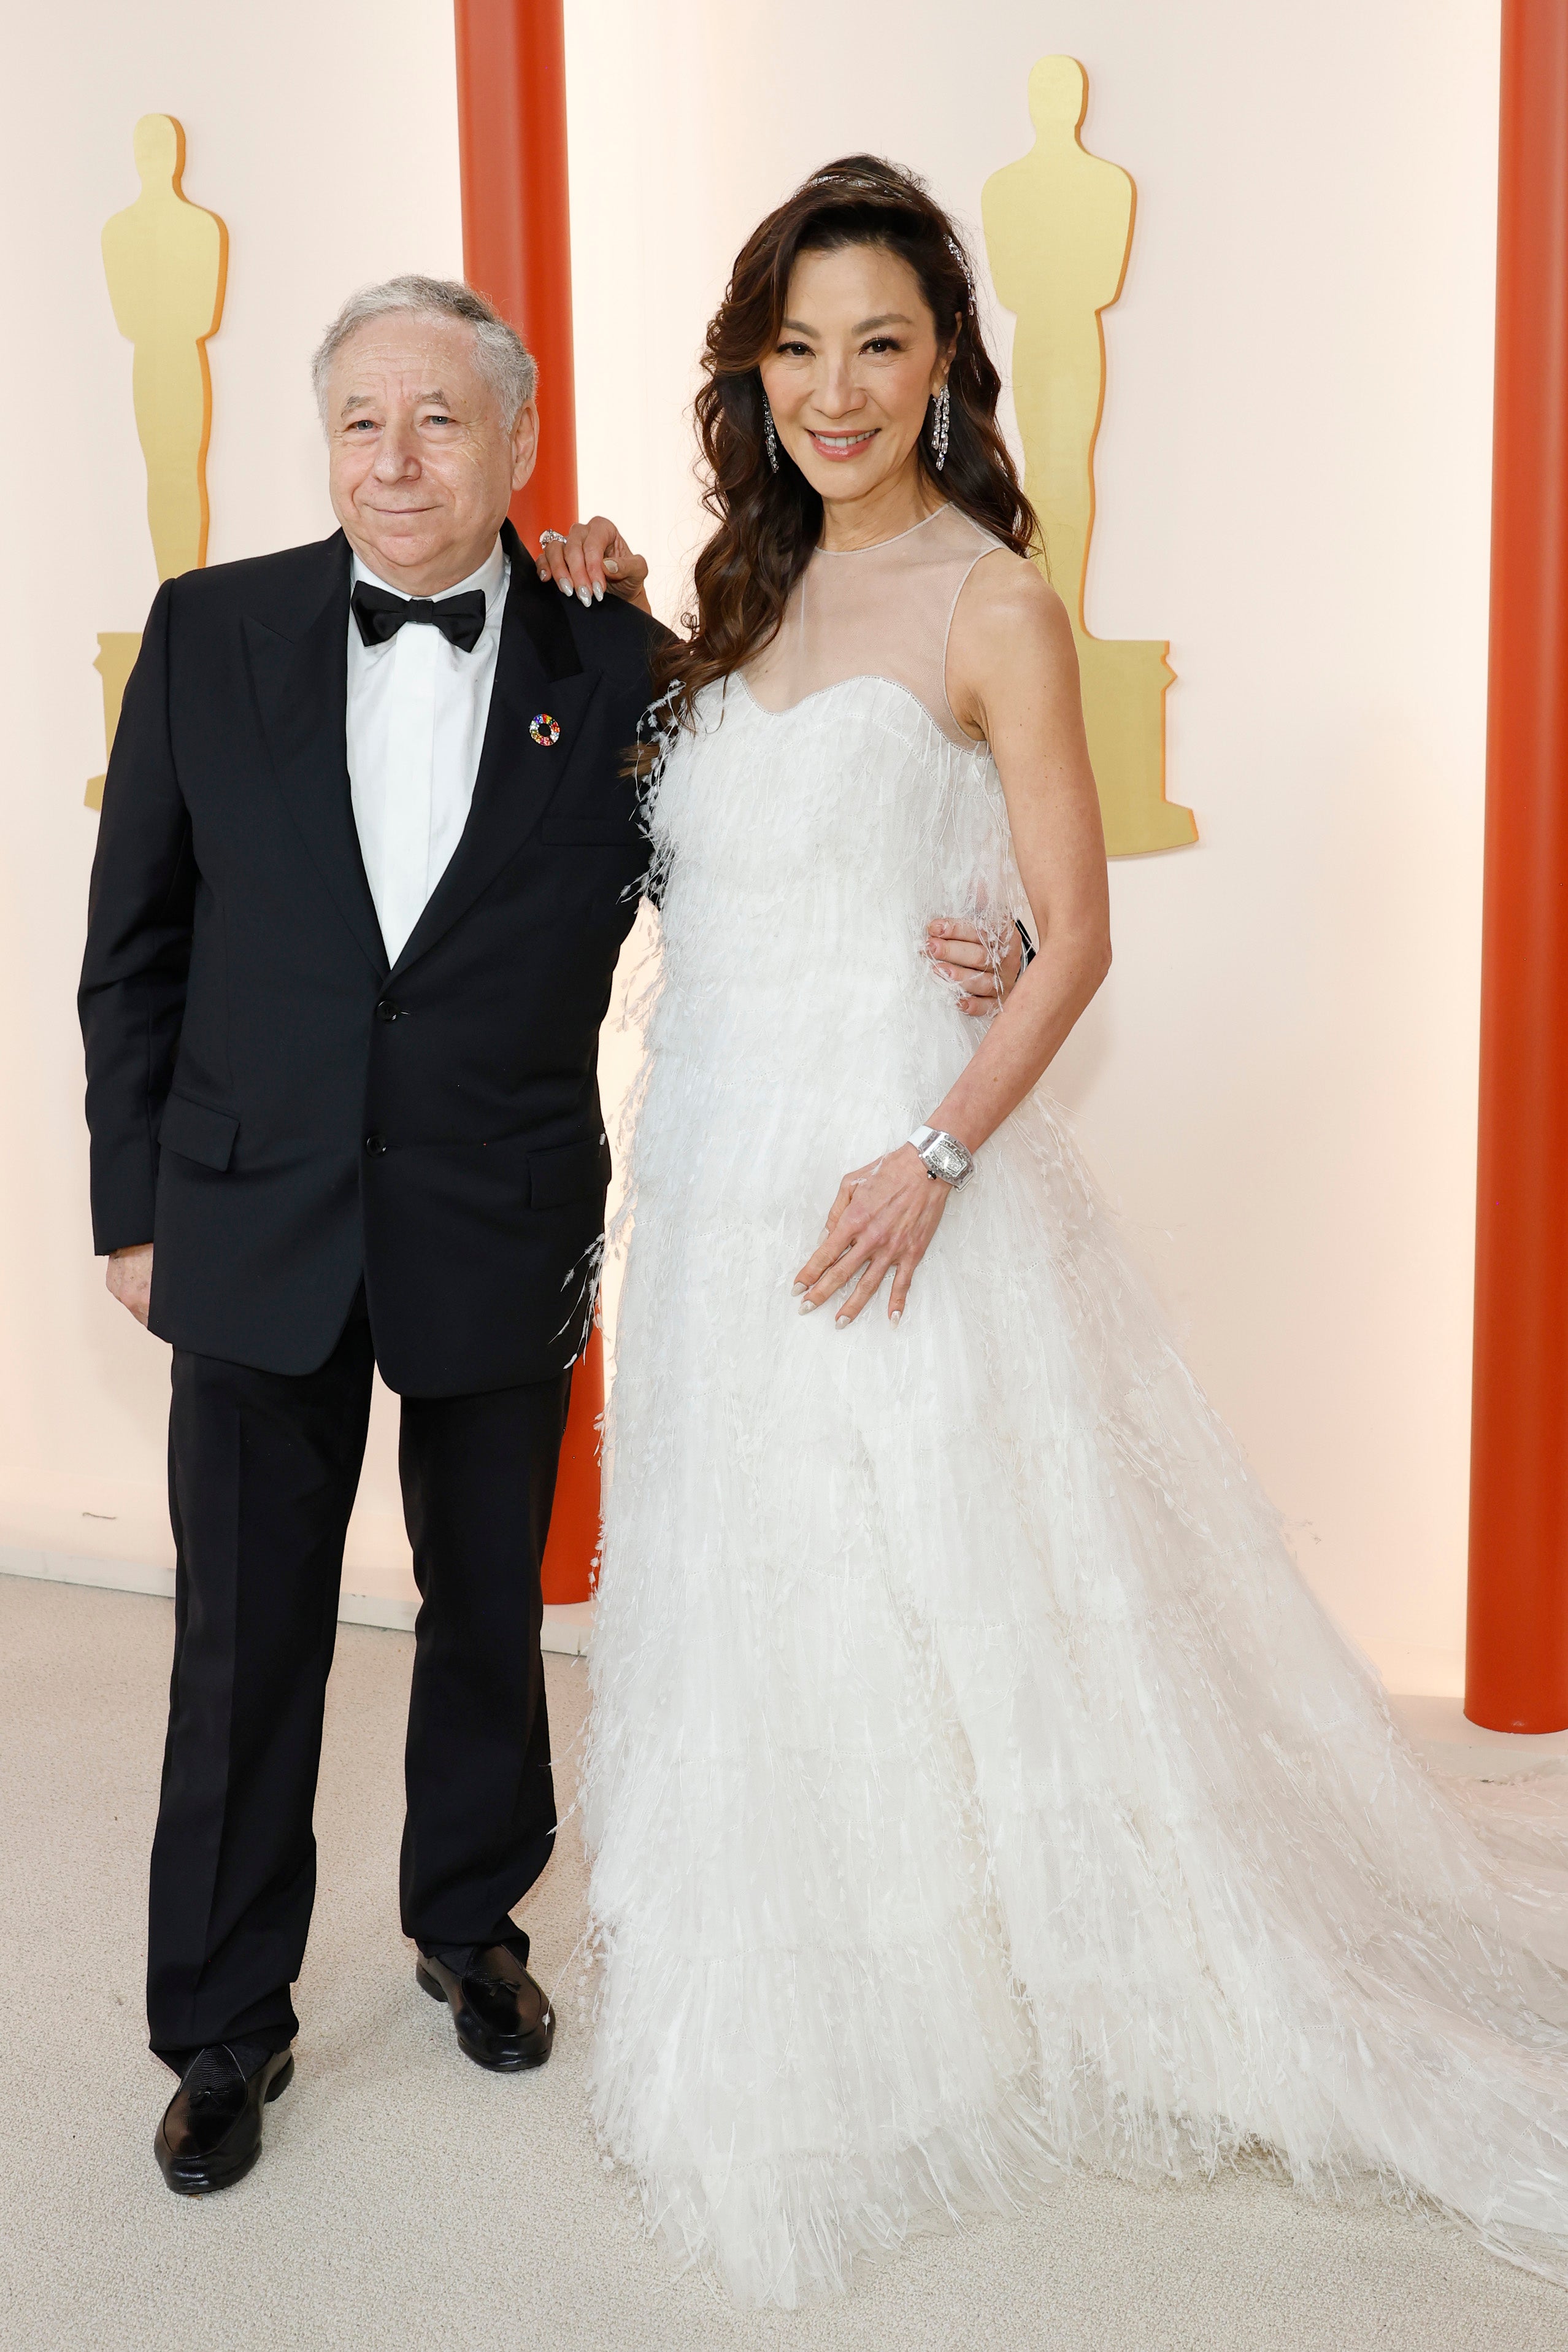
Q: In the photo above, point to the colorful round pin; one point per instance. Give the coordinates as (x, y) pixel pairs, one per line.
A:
(545, 731)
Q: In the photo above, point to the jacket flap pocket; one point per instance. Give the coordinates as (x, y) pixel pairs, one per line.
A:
(595, 803)
(568, 1172)
(608, 833)
(197, 1133)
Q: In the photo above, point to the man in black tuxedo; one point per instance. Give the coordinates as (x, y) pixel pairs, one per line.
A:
(368, 852)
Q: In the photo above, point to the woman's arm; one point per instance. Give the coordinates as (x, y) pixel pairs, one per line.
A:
(1012, 674)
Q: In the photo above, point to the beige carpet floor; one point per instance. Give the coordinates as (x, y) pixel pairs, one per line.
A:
(408, 2199)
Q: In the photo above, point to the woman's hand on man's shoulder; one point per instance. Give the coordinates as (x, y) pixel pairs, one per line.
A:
(592, 560)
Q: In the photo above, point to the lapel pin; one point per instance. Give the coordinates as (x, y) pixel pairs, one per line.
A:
(545, 731)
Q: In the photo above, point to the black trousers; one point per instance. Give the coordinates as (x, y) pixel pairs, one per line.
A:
(263, 1469)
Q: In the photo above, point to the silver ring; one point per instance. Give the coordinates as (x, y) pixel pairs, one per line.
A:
(558, 536)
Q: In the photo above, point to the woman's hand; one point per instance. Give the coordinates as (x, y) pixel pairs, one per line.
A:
(987, 973)
(593, 557)
(885, 1215)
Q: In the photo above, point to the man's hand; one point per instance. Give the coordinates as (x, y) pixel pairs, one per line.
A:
(129, 1278)
(592, 560)
(960, 952)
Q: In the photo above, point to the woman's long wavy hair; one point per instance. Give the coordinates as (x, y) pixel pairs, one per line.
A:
(769, 522)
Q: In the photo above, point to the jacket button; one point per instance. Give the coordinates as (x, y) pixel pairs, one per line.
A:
(375, 1145)
(387, 1011)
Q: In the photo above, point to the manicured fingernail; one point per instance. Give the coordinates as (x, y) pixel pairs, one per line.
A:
(565, 587)
(897, 1315)
(799, 1290)
(599, 593)
(808, 1306)
(611, 563)
(584, 596)
(544, 571)
(840, 1322)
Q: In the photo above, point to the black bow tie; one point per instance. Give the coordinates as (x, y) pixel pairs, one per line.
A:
(460, 619)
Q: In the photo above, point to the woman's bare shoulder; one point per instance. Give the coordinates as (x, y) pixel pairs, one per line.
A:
(1008, 611)
(1003, 582)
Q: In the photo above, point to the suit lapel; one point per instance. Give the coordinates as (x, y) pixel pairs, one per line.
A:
(537, 668)
(301, 684)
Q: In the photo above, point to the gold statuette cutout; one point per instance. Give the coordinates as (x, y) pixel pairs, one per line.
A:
(1059, 227)
(165, 260)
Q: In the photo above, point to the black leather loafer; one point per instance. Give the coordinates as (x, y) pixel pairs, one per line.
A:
(503, 2018)
(211, 2132)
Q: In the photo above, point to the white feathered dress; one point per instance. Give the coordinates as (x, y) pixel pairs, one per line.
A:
(974, 1785)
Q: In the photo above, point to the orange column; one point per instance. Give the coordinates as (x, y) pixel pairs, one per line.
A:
(516, 248)
(1517, 1663)
(516, 227)
(571, 1554)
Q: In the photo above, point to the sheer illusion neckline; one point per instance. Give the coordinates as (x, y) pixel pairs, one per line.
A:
(887, 615)
(874, 545)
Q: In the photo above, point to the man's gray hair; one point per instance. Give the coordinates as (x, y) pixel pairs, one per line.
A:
(504, 360)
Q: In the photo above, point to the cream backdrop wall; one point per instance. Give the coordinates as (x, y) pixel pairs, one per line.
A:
(1277, 1084)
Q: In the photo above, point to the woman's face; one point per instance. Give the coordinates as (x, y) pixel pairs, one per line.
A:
(855, 367)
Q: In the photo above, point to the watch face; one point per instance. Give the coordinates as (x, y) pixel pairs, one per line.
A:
(950, 1160)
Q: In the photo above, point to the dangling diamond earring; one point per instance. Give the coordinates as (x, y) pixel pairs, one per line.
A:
(769, 438)
(942, 408)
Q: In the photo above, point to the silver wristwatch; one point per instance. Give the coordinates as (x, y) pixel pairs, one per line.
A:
(945, 1156)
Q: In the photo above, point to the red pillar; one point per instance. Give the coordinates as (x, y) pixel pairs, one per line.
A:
(1517, 1662)
(517, 249)
(517, 230)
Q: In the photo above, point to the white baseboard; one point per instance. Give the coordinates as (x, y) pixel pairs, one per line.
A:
(1451, 1743)
(77, 1567)
(567, 1630)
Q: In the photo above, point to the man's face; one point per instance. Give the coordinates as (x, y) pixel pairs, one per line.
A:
(422, 464)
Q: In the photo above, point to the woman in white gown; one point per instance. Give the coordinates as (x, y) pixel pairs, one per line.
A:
(973, 1785)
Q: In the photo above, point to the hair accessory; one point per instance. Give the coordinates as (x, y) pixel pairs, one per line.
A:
(770, 436)
(545, 731)
(863, 179)
(941, 413)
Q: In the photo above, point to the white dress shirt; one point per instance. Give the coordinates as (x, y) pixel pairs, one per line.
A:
(417, 708)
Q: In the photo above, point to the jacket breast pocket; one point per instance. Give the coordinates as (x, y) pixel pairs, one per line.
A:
(568, 1172)
(198, 1132)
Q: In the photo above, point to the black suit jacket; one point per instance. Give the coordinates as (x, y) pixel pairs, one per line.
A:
(274, 1106)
